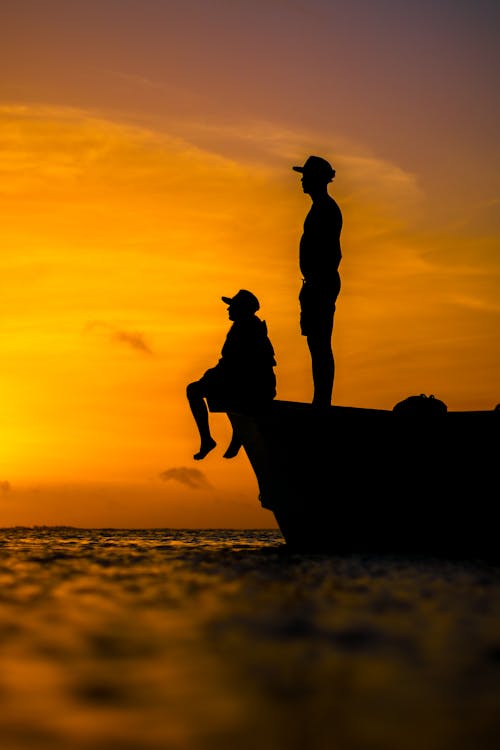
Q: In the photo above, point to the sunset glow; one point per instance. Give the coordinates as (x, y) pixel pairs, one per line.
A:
(146, 171)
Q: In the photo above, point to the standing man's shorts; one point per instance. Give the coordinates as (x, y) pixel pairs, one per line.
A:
(317, 307)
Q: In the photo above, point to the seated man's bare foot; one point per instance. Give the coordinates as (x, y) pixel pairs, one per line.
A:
(205, 448)
(233, 448)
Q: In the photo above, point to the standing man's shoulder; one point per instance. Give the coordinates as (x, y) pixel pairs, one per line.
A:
(325, 213)
(333, 206)
(333, 214)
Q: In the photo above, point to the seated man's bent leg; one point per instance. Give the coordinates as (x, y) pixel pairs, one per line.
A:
(233, 447)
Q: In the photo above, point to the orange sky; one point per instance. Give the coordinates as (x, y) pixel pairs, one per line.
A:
(146, 171)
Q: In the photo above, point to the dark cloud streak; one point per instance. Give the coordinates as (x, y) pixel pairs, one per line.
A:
(193, 478)
(133, 339)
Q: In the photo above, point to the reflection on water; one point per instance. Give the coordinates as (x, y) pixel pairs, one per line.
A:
(216, 640)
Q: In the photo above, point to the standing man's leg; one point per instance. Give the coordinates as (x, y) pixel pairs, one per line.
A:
(316, 322)
(323, 368)
(196, 397)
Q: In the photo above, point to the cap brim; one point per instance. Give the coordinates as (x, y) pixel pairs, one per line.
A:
(298, 169)
(227, 300)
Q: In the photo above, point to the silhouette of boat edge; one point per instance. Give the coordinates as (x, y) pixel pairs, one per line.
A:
(359, 480)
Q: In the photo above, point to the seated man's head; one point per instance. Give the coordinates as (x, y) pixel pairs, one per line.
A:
(243, 304)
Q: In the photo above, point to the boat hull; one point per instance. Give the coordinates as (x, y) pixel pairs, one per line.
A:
(349, 479)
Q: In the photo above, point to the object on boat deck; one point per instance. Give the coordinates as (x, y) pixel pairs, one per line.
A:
(420, 406)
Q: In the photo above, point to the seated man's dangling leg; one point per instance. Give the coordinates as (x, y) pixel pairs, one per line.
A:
(199, 409)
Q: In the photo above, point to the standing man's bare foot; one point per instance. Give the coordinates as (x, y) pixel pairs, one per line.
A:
(205, 448)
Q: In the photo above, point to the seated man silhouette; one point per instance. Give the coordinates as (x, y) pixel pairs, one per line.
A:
(243, 380)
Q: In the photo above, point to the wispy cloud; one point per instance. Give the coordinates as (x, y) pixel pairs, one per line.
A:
(193, 478)
(135, 79)
(5, 486)
(133, 339)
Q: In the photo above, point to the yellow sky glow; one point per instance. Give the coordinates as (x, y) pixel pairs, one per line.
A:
(118, 244)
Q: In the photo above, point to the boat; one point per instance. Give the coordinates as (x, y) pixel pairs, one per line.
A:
(358, 480)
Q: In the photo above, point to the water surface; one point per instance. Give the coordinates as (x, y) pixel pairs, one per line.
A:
(216, 640)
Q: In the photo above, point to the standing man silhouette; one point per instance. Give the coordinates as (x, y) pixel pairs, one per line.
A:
(319, 260)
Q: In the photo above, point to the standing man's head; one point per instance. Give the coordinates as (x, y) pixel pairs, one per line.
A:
(316, 174)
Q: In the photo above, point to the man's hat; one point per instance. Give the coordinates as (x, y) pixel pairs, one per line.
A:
(244, 299)
(315, 166)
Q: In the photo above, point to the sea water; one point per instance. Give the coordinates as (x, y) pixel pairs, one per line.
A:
(219, 640)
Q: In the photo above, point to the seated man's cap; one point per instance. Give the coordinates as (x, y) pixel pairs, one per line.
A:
(317, 167)
(243, 299)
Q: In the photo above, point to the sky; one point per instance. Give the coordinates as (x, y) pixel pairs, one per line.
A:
(146, 154)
